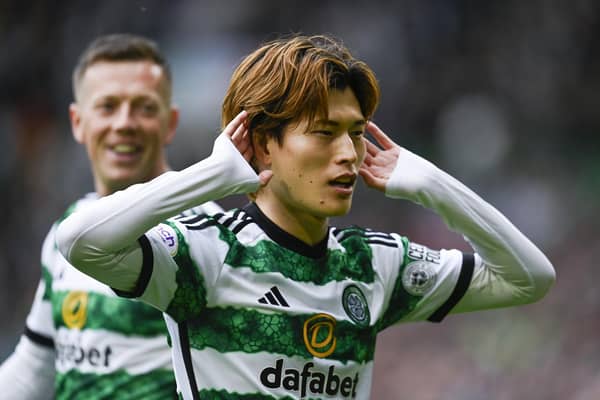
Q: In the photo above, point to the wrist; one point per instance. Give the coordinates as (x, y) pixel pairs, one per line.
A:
(411, 176)
(236, 174)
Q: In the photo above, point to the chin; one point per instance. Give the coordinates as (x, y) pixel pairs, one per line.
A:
(123, 181)
(339, 211)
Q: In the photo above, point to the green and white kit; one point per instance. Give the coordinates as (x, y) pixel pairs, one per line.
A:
(103, 346)
(281, 317)
(254, 313)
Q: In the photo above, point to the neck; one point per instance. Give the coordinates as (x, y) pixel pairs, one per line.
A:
(308, 228)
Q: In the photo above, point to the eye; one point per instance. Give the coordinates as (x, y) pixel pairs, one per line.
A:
(323, 132)
(106, 107)
(357, 133)
(149, 108)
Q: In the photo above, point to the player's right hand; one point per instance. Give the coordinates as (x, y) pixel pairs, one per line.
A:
(237, 131)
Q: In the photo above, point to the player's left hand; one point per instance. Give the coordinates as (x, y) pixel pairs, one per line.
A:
(380, 158)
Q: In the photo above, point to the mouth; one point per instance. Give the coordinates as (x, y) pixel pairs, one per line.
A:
(344, 182)
(125, 153)
(125, 149)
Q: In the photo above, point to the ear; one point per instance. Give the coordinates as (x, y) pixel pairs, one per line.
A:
(262, 155)
(173, 123)
(75, 118)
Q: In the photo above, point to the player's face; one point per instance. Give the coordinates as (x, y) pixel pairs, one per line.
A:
(124, 118)
(315, 167)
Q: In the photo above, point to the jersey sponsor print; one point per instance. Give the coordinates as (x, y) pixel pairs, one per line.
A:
(276, 318)
(106, 347)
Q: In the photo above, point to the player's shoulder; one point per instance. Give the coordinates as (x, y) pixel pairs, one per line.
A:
(204, 217)
(208, 208)
(367, 236)
(50, 253)
(207, 231)
(77, 204)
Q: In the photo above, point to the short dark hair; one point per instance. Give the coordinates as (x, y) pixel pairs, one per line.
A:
(120, 47)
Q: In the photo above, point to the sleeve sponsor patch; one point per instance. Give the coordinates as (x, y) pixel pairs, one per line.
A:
(420, 273)
(169, 237)
(418, 278)
(418, 252)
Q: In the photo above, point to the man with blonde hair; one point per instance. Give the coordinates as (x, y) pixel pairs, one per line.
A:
(81, 340)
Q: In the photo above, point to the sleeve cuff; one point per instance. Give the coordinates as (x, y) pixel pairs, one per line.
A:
(38, 338)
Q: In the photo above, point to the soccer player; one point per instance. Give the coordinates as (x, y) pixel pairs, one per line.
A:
(270, 301)
(81, 340)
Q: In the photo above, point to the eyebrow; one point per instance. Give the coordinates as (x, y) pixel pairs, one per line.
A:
(329, 122)
(112, 96)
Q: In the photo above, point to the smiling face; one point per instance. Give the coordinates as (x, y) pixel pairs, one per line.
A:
(124, 118)
(315, 166)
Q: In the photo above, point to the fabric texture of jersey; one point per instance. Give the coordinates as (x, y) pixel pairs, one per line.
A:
(106, 347)
(255, 313)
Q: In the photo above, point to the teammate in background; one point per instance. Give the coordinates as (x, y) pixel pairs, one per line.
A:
(269, 301)
(81, 340)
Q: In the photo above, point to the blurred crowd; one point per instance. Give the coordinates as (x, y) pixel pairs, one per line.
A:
(503, 95)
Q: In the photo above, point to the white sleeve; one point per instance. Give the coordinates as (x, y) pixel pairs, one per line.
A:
(39, 320)
(508, 268)
(101, 240)
(28, 373)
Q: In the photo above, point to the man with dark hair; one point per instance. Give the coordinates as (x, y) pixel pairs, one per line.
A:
(81, 340)
(269, 301)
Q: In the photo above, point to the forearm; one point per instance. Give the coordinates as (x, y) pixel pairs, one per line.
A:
(512, 270)
(103, 237)
(28, 373)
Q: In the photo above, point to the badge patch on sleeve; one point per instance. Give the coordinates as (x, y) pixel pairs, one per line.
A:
(169, 237)
(418, 252)
(418, 278)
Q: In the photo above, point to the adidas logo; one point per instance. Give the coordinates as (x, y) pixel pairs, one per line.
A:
(273, 297)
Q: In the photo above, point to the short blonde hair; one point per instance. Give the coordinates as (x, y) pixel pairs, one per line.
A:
(118, 47)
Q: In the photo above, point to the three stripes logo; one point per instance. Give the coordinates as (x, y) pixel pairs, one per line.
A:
(273, 297)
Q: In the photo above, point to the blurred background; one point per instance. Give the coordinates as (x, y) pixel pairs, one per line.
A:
(503, 95)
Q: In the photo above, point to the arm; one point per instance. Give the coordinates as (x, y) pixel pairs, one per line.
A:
(28, 373)
(101, 240)
(509, 268)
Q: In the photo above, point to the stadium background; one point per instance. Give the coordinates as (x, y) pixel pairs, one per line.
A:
(504, 95)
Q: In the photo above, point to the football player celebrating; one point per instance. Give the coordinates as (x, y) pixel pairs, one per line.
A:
(270, 301)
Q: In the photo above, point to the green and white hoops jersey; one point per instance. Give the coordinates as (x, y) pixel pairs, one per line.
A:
(254, 313)
(106, 347)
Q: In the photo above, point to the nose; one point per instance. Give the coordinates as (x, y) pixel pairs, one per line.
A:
(124, 120)
(347, 149)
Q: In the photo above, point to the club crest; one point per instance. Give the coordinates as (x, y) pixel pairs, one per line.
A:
(356, 306)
